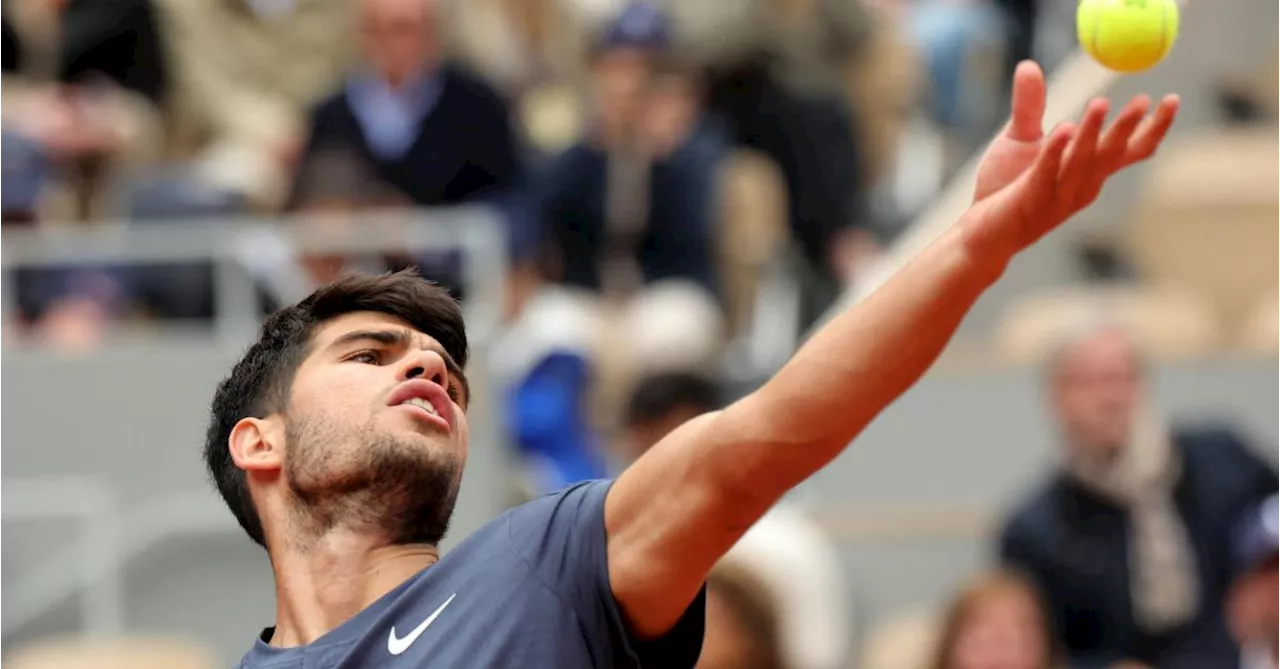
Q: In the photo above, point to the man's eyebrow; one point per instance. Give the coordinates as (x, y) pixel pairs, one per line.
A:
(384, 337)
(403, 339)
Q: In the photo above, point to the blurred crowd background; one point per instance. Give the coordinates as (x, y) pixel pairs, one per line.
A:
(644, 207)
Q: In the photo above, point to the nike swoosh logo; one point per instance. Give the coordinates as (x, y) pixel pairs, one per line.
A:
(396, 646)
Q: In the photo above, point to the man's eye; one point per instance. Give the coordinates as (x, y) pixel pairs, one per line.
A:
(455, 393)
(367, 357)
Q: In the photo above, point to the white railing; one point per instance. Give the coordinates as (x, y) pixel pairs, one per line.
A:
(474, 231)
(113, 537)
(92, 505)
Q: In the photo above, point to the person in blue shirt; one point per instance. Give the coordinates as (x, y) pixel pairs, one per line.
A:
(340, 438)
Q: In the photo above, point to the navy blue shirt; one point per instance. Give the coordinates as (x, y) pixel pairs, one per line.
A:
(530, 589)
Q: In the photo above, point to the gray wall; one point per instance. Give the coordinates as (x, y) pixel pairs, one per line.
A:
(135, 417)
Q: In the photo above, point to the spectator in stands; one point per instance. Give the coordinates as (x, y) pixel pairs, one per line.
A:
(86, 91)
(245, 73)
(1252, 600)
(426, 127)
(997, 622)
(786, 552)
(827, 196)
(332, 189)
(949, 35)
(742, 628)
(633, 203)
(630, 217)
(1128, 538)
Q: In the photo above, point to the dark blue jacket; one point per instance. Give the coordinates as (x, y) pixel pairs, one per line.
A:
(1074, 544)
(680, 235)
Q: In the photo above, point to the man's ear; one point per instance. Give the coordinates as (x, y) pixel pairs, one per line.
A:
(257, 444)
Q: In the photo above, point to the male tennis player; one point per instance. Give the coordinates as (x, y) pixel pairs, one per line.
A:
(339, 441)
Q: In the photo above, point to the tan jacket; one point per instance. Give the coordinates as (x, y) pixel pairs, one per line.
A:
(246, 75)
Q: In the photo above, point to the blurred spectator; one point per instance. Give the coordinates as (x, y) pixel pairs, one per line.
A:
(811, 138)
(952, 36)
(662, 402)
(742, 623)
(117, 39)
(88, 97)
(786, 552)
(331, 190)
(1252, 600)
(430, 130)
(1128, 539)
(631, 217)
(634, 202)
(245, 72)
(997, 622)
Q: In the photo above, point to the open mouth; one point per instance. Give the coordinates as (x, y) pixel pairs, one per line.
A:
(426, 400)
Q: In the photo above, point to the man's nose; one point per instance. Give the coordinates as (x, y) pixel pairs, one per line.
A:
(427, 365)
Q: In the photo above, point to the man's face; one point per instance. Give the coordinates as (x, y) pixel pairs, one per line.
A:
(399, 37)
(375, 429)
(1097, 387)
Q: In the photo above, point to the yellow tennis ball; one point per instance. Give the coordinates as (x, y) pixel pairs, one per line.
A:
(1127, 35)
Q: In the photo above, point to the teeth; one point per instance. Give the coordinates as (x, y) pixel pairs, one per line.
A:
(419, 402)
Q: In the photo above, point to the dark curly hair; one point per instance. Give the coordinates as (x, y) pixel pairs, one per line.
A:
(259, 383)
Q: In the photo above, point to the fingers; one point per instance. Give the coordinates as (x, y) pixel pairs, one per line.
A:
(1152, 131)
(1115, 142)
(1044, 173)
(1079, 163)
(1111, 149)
(1026, 115)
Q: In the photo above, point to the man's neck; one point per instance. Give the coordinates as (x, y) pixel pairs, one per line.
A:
(325, 583)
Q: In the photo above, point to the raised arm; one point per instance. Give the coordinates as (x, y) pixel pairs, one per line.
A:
(677, 510)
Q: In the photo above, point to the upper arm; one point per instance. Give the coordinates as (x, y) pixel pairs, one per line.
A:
(673, 514)
(561, 538)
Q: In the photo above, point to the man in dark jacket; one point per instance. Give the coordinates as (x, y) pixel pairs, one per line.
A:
(1130, 537)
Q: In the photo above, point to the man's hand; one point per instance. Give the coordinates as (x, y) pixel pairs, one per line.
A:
(1029, 184)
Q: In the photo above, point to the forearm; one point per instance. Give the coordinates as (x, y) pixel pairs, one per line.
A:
(868, 356)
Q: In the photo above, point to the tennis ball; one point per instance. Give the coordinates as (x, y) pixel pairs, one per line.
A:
(1127, 35)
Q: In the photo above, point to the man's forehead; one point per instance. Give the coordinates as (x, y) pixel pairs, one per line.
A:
(359, 321)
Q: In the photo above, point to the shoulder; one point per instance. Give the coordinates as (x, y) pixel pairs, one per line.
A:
(573, 507)
(1218, 448)
(462, 85)
(1033, 517)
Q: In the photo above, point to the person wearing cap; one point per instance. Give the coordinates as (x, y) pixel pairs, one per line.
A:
(630, 215)
(1254, 598)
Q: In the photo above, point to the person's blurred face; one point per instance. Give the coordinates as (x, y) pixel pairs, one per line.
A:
(670, 112)
(399, 37)
(1097, 387)
(1001, 632)
(640, 437)
(620, 78)
(1253, 605)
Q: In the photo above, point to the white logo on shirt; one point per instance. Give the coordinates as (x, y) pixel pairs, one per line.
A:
(396, 646)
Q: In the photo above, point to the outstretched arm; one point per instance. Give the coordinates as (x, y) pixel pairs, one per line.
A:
(677, 510)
